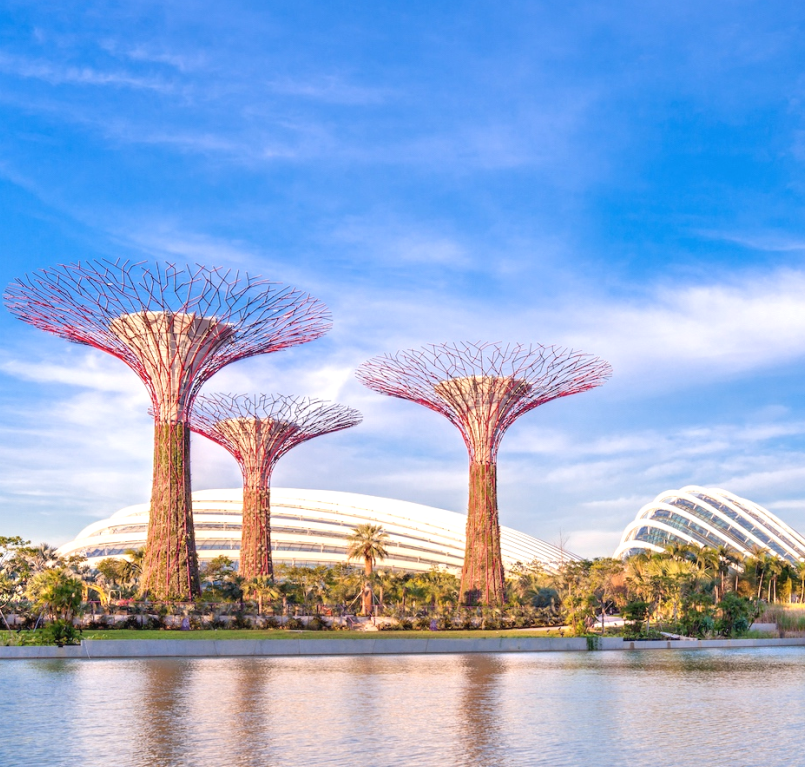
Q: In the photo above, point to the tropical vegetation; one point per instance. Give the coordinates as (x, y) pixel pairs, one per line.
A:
(681, 591)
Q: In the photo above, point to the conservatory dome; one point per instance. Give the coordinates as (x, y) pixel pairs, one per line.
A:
(310, 527)
(709, 517)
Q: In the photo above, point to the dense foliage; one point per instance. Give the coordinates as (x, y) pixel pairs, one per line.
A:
(687, 591)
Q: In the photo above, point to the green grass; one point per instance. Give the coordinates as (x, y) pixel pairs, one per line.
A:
(280, 634)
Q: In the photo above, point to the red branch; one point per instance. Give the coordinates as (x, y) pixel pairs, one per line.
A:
(483, 388)
(258, 430)
(174, 326)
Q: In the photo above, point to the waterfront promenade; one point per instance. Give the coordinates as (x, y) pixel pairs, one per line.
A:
(92, 649)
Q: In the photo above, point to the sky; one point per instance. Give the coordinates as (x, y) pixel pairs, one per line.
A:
(622, 178)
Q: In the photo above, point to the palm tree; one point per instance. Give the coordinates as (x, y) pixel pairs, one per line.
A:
(680, 550)
(438, 587)
(367, 542)
(758, 561)
(800, 570)
(56, 591)
(774, 568)
(262, 587)
(132, 567)
(728, 558)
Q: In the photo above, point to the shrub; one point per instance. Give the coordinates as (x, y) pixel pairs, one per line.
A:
(696, 618)
(395, 626)
(317, 624)
(736, 615)
(421, 622)
(240, 621)
(60, 632)
(634, 615)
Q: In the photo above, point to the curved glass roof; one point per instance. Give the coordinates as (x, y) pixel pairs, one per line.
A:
(709, 517)
(310, 527)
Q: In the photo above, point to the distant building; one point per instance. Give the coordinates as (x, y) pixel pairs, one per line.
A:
(709, 517)
(310, 527)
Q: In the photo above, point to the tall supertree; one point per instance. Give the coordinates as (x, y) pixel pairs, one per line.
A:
(174, 326)
(258, 430)
(483, 389)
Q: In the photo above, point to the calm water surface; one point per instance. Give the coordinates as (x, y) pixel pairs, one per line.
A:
(700, 708)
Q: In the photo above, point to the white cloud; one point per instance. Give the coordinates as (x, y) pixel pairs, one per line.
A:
(93, 370)
(329, 89)
(593, 543)
(679, 336)
(61, 74)
(556, 473)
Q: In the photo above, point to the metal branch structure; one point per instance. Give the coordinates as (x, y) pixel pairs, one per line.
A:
(174, 326)
(482, 389)
(258, 430)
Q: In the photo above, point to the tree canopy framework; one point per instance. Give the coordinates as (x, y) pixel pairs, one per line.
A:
(483, 388)
(174, 326)
(258, 430)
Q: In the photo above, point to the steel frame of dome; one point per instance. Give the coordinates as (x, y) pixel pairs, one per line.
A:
(310, 527)
(709, 517)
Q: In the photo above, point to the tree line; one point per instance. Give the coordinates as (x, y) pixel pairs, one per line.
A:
(684, 590)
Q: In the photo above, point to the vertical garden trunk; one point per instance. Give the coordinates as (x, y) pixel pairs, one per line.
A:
(482, 574)
(170, 566)
(255, 542)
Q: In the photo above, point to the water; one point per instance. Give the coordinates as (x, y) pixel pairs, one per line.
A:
(700, 708)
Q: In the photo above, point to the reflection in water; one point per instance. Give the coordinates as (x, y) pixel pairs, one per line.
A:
(248, 720)
(163, 714)
(479, 712)
(739, 707)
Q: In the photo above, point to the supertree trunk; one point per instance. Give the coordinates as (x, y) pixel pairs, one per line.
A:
(482, 389)
(255, 545)
(482, 577)
(175, 327)
(170, 567)
(258, 431)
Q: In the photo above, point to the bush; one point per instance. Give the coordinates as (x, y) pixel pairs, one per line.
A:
(294, 624)
(395, 626)
(634, 615)
(736, 615)
(421, 623)
(317, 624)
(240, 621)
(60, 633)
(696, 619)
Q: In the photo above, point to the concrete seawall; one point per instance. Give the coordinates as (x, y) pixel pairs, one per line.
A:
(268, 648)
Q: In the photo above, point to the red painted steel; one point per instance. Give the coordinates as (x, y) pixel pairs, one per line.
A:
(174, 326)
(258, 430)
(482, 389)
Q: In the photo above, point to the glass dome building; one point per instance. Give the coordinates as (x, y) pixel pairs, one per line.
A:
(310, 527)
(709, 517)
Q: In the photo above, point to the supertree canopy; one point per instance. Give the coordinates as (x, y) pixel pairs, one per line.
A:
(483, 389)
(174, 326)
(258, 431)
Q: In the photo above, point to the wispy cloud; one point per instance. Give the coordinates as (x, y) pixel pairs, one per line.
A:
(61, 74)
(330, 89)
(142, 52)
(398, 244)
(769, 241)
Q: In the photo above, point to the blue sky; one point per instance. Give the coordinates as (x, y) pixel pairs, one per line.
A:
(626, 178)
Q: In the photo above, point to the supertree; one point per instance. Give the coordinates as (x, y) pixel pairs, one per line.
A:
(174, 326)
(483, 389)
(258, 430)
